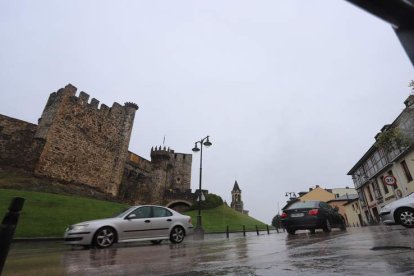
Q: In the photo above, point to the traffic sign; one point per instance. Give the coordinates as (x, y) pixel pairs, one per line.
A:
(389, 180)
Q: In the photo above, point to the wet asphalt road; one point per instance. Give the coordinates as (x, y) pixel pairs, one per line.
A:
(377, 250)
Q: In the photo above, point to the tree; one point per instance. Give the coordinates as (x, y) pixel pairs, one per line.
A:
(392, 139)
(276, 222)
(411, 85)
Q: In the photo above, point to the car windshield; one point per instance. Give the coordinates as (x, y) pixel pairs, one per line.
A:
(306, 204)
(123, 212)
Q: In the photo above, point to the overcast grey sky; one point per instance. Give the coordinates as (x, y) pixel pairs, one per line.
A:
(291, 92)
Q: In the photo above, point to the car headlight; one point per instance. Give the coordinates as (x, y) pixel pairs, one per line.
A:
(77, 227)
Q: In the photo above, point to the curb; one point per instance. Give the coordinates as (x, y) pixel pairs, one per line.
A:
(37, 239)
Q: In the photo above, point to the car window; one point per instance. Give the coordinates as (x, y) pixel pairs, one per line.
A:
(305, 204)
(326, 206)
(122, 213)
(161, 212)
(142, 212)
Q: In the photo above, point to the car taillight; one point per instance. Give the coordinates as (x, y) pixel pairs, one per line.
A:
(284, 215)
(313, 212)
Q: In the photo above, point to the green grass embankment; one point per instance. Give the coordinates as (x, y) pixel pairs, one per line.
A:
(47, 215)
(217, 219)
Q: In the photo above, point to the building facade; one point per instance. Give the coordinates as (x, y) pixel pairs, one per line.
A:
(386, 159)
(350, 214)
(317, 193)
(336, 197)
(77, 141)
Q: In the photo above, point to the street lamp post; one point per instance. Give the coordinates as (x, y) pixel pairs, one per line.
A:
(199, 231)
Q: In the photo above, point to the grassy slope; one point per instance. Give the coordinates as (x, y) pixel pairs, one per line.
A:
(47, 215)
(217, 219)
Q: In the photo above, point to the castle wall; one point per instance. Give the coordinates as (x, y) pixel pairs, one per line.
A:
(168, 175)
(18, 148)
(84, 143)
(136, 186)
(79, 142)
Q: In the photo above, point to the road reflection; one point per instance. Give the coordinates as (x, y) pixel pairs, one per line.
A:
(335, 253)
(129, 260)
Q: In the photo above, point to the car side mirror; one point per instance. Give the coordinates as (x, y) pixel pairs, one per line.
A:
(131, 216)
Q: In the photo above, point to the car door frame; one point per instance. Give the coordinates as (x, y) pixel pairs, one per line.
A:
(136, 227)
(161, 225)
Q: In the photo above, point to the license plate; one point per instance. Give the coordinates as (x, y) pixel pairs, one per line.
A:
(297, 215)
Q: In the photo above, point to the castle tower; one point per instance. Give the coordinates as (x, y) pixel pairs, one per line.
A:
(170, 171)
(83, 143)
(236, 202)
(161, 169)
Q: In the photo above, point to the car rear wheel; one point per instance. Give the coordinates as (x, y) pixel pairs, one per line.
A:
(177, 234)
(291, 231)
(104, 237)
(405, 217)
(327, 226)
(156, 241)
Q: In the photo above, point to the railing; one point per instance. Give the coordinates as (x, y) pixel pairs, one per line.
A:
(242, 229)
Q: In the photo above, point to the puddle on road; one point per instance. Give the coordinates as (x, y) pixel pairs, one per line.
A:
(391, 247)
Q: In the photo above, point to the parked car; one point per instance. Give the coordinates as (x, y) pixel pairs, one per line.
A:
(400, 211)
(311, 215)
(137, 223)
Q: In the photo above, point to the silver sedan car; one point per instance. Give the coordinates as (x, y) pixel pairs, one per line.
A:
(137, 223)
(400, 211)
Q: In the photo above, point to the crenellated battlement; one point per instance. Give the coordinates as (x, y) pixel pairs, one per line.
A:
(66, 101)
(131, 105)
(161, 150)
(77, 128)
(79, 140)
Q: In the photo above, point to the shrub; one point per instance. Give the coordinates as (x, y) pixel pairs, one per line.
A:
(212, 201)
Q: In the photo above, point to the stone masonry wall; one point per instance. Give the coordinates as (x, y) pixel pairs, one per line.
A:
(181, 171)
(18, 148)
(84, 143)
(136, 186)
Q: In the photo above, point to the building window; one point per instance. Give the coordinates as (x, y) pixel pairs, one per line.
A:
(369, 193)
(406, 171)
(384, 185)
(377, 191)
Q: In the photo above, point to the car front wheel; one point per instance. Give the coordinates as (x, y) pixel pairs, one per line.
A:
(177, 234)
(104, 237)
(327, 227)
(405, 217)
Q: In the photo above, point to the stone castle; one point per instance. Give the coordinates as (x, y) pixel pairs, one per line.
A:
(80, 142)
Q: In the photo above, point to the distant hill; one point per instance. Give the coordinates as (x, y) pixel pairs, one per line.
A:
(48, 215)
